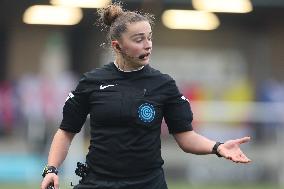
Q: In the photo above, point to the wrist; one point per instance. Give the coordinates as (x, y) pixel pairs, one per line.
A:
(49, 169)
(215, 149)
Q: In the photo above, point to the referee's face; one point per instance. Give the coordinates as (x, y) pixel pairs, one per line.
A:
(136, 43)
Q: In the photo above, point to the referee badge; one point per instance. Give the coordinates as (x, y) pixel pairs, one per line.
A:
(146, 112)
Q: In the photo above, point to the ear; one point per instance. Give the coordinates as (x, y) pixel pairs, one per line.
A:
(115, 45)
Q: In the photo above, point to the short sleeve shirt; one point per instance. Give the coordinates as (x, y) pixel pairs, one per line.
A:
(126, 111)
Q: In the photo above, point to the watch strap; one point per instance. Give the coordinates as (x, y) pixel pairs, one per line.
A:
(49, 169)
(215, 148)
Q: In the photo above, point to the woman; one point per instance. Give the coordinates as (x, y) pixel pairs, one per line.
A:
(127, 100)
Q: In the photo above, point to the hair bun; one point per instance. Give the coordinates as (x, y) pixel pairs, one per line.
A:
(110, 13)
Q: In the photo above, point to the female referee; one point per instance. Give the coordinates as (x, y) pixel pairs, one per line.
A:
(127, 100)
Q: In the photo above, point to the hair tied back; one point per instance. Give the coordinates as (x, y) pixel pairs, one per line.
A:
(111, 13)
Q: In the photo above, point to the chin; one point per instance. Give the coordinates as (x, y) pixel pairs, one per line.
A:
(139, 63)
(144, 62)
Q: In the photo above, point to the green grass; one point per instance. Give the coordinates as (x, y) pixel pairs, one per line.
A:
(171, 185)
(222, 186)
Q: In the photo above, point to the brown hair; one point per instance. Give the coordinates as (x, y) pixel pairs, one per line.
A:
(116, 19)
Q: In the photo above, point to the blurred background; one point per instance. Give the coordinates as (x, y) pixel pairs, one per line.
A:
(230, 68)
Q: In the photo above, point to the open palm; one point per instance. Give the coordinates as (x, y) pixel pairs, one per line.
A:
(231, 150)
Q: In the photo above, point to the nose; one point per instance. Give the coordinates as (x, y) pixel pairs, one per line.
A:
(148, 45)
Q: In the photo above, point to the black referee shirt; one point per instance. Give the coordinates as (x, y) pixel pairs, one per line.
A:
(126, 111)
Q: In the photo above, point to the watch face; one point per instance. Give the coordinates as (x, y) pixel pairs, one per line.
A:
(49, 169)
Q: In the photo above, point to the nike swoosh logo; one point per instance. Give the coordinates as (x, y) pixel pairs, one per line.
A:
(105, 86)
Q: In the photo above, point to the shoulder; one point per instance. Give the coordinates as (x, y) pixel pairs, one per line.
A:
(98, 73)
(164, 82)
(163, 76)
(93, 78)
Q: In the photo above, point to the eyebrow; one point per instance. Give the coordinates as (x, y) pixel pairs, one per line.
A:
(139, 34)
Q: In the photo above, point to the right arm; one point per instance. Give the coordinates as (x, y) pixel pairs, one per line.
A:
(57, 154)
(75, 111)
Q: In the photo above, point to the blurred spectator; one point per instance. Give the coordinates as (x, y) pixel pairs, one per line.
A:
(270, 91)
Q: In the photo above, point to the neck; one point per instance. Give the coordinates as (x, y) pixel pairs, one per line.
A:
(126, 66)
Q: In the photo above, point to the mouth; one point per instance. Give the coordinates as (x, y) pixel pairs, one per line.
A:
(144, 56)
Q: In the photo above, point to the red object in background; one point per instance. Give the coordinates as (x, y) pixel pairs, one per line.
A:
(193, 92)
(6, 107)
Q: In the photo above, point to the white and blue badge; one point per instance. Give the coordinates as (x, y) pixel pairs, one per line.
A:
(146, 112)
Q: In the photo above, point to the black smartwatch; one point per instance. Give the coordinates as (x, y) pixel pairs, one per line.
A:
(49, 169)
(215, 147)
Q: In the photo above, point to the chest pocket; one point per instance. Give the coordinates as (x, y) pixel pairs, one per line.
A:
(143, 110)
(146, 113)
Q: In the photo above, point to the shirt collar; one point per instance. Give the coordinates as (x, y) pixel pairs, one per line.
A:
(116, 65)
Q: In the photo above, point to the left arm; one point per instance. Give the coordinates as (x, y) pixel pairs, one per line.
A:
(178, 117)
(192, 142)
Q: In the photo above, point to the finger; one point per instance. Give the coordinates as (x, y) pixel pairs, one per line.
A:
(243, 140)
(44, 184)
(245, 159)
(241, 159)
(228, 157)
(56, 183)
(235, 159)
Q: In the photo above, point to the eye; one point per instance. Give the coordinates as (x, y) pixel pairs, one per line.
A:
(138, 40)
